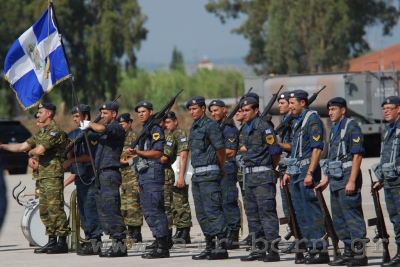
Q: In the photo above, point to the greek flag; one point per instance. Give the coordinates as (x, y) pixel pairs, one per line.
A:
(36, 63)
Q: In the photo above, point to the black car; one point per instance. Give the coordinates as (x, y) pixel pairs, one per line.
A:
(13, 132)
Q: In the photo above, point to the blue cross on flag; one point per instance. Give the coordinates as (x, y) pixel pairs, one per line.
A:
(36, 63)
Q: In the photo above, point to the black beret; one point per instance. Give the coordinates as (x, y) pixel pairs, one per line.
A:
(109, 105)
(144, 104)
(125, 117)
(285, 96)
(391, 100)
(248, 101)
(195, 100)
(251, 94)
(171, 115)
(83, 107)
(337, 102)
(48, 106)
(218, 103)
(299, 94)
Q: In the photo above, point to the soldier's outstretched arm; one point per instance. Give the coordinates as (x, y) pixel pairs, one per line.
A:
(37, 151)
(21, 147)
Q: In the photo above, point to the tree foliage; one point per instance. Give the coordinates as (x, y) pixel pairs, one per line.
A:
(177, 62)
(305, 36)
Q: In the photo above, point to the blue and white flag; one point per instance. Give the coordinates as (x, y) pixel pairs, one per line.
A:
(36, 63)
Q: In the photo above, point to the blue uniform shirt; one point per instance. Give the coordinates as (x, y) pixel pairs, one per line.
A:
(387, 148)
(231, 136)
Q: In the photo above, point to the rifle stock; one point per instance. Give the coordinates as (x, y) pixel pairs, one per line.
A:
(231, 114)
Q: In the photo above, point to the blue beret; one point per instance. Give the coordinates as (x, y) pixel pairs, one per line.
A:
(337, 102)
(285, 96)
(144, 104)
(83, 107)
(48, 106)
(195, 100)
(251, 94)
(299, 94)
(218, 103)
(109, 105)
(171, 115)
(391, 100)
(125, 117)
(248, 101)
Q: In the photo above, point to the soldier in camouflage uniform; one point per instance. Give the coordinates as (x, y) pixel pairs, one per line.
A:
(130, 200)
(79, 163)
(346, 148)
(261, 156)
(304, 173)
(51, 175)
(229, 183)
(109, 150)
(386, 173)
(207, 145)
(34, 162)
(180, 207)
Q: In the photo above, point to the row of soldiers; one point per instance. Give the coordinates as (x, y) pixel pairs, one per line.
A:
(213, 152)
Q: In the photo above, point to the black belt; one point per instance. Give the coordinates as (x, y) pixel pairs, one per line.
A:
(109, 169)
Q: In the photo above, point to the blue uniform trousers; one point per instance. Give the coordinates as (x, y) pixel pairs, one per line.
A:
(392, 199)
(230, 206)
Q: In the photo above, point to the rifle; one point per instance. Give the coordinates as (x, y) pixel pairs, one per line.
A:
(290, 118)
(80, 137)
(327, 221)
(269, 106)
(156, 119)
(379, 221)
(229, 117)
(292, 220)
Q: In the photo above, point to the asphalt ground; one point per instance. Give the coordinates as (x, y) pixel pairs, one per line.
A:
(15, 249)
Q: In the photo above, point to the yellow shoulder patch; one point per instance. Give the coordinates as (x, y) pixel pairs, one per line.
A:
(316, 138)
(156, 136)
(231, 140)
(356, 140)
(93, 142)
(270, 139)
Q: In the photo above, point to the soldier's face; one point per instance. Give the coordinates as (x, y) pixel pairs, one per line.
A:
(108, 115)
(239, 115)
(297, 107)
(43, 114)
(283, 106)
(77, 119)
(144, 114)
(249, 114)
(217, 113)
(391, 112)
(171, 124)
(126, 125)
(336, 114)
(197, 112)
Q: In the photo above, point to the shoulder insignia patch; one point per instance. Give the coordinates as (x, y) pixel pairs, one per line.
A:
(169, 143)
(93, 142)
(316, 138)
(315, 129)
(270, 139)
(52, 133)
(156, 136)
(231, 140)
(268, 131)
(183, 139)
(356, 140)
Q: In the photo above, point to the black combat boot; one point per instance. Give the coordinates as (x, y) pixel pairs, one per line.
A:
(348, 254)
(51, 243)
(289, 248)
(186, 235)
(161, 251)
(210, 245)
(178, 233)
(299, 256)
(117, 249)
(169, 239)
(136, 234)
(258, 253)
(93, 247)
(248, 240)
(360, 258)
(62, 246)
(395, 260)
(233, 239)
(317, 258)
(273, 252)
(220, 252)
(153, 245)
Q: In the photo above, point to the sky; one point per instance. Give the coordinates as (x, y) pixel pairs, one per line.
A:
(198, 34)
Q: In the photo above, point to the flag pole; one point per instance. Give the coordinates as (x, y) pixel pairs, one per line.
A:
(75, 95)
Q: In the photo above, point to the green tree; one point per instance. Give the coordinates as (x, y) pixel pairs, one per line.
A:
(305, 36)
(177, 61)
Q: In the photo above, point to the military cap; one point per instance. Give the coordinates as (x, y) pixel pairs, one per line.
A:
(171, 115)
(218, 103)
(298, 94)
(83, 107)
(144, 104)
(48, 106)
(248, 101)
(195, 100)
(337, 102)
(251, 94)
(284, 95)
(109, 105)
(392, 100)
(125, 117)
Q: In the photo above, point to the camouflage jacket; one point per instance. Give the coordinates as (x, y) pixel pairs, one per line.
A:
(130, 136)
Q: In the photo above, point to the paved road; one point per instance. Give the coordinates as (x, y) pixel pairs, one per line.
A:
(15, 251)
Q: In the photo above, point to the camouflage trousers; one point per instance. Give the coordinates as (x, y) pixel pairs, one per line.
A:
(230, 206)
(87, 208)
(392, 199)
(51, 206)
(168, 195)
(182, 216)
(208, 205)
(108, 204)
(347, 216)
(261, 210)
(130, 199)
